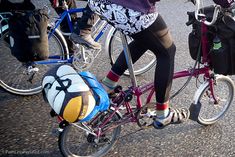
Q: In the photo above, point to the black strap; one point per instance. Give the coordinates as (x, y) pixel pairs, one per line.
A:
(62, 86)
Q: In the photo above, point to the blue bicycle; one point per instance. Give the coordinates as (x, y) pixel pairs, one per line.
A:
(25, 79)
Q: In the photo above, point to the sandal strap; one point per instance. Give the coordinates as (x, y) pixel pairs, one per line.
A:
(178, 115)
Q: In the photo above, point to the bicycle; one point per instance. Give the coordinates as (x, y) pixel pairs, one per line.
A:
(96, 137)
(25, 79)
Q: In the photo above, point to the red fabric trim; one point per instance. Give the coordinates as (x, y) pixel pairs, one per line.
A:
(162, 106)
(54, 3)
(113, 77)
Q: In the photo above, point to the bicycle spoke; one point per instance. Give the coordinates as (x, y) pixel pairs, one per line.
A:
(212, 110)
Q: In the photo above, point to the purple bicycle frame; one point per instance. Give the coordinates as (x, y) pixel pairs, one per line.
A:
(138, 91)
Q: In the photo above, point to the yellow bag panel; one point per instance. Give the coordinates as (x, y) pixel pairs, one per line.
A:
(72, 109)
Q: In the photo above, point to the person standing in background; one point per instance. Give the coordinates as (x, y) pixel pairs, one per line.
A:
(83, 33)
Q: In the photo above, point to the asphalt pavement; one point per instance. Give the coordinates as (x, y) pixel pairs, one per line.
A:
(26, 126)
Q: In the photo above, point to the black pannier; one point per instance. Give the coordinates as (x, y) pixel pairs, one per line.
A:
(8, 5)
(222, 60)
(28, 35)
(194, 37)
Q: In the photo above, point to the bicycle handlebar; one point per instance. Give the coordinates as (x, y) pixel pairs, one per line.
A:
(202, 17)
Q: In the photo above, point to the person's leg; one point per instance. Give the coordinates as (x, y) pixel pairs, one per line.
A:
(64, 27)
(83, 34)
(137, 49)
(156, 38)
(162, 44)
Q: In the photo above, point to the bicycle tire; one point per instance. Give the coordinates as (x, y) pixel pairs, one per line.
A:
(144, 64)
(224, 92)
(84, 147)
(13, 73)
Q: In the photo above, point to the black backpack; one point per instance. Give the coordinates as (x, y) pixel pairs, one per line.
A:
(28, 35)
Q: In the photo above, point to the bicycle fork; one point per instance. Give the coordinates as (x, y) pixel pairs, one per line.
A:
(195, 107)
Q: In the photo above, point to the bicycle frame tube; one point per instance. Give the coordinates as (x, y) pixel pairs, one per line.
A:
(54, 61)
(101, 32)
(128, 60)
(145, 88)
(205, 51)
(66, 14)
(204, 43)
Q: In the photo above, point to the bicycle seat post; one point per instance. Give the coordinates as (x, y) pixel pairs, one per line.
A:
(128, 59)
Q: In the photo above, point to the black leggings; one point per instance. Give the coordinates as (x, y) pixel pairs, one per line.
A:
(149, 39)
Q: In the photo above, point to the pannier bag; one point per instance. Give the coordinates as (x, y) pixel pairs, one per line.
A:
(223, 58)
(194, 37)
(223, 31)
(13, 5)
(28, 35)
(74, 96)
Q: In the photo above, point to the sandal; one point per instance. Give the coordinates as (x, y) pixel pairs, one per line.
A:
(175, 116)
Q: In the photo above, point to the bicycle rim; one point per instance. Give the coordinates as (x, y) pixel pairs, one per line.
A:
(145, 63)
(76, 142)
(210, 111)
(14, 76)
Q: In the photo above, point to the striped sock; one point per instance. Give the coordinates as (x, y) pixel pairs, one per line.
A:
(162, 110)
(111, 80)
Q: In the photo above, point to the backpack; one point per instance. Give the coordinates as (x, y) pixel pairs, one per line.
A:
(74, 96)
(28, 35)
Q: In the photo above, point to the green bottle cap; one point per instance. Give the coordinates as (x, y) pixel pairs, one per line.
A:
(217, 46)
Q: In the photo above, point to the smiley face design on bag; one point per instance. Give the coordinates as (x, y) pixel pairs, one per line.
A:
(68, 94)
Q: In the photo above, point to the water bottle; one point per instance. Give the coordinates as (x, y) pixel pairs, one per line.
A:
(219, 56)
(217, 45)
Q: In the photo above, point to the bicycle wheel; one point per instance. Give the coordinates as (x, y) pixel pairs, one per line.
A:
(145, 63)
(74, 141)
(15, 77)
(212, 111)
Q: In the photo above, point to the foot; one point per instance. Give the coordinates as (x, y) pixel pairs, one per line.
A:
(85, 39)
(175, 116)
(109, 90)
